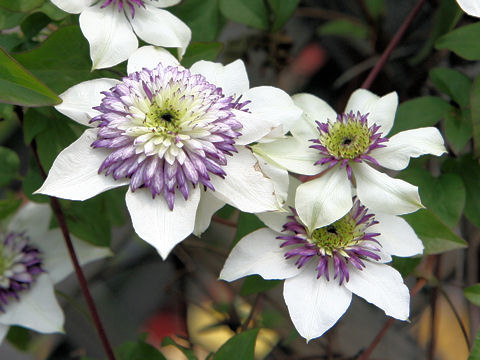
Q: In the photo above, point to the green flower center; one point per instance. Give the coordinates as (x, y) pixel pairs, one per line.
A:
(348, 139)
(163, 119)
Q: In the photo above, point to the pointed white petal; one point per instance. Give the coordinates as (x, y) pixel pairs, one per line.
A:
(37, 308)
(159, 27)
(161, 3)
(149, 57)
(33, 219)
(3, 332)
(382, 286)
(246, 187)
(381, 110)
(396, 236)
(258, 253)
(321, 201)
(314, 109)
(74, 173)
(109, 34)
(155, 223)
(471, 7)
(410, 143)
(291, 153)
(209, 205)
(232, 78)
(79, 100)
(279, 177)
(56, 259)
(73, 6)
(315, 305)
(269, 109)
(380, 192)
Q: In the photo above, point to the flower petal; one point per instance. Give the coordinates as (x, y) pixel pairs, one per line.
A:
(159, 27)
(155, 223)
(245, 186)
(109, 34)
(74, 173)
(380, 192)
(56, 259)
(79, 100)
(471, 7)
(382, 286)
(258, 253)
(232, 78)
(37, 308)
(149, 57)
(292, 154)
(279, 177)
(396, 236)
(209, 205)
(381, 110)
(315, 305)
(410, 143)
(33, 219)
(73, 6)
(314, 109)
(321, 201)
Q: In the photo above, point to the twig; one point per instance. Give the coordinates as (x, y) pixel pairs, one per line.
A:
(457, 316)
(433, 314)
(252, 311)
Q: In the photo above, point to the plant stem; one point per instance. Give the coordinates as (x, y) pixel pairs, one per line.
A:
(392, 45)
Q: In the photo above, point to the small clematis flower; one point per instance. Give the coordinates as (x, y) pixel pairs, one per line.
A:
(471, 7)
(178, 138)
(342, 151)
(324, 266)
(112, 26)
(32, 259)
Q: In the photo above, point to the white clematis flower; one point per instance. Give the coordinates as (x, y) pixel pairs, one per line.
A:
(32, 259)
(324, 266)
(110, 27)
(178, 138)
(341, 148)
(471, 7)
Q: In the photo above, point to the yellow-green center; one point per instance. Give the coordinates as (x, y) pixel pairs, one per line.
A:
(347, 140)
(164, 119)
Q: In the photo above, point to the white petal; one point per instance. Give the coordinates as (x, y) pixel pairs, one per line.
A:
(149, 57)
(159, 27)
(410, 143)
(232, 78)
(258, 253)
(74, 173)
(155, 223)
(471, 7)
(56, 259)
(382, 286)
(269, 109)
(37, 308)
(109, 34)
(245, 187)
(396, 236)
(381, 110)
(315, 305)
(379, 192)
(73, 6)
(321, 201)
(314, 109)
(292, 154)
(161, 3)
(209, 205)
(33, 219)
(279, 177)
(79, 100)
(3, 332)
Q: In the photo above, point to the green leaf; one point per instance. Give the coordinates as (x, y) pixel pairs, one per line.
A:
(475, 354)
(246, 224)
(254, 284)
(9, 165)
(52, 11)
(19, 337)
(282, 11)
(475, 114)
(9, 206)
(18, 86)
(20, 5)
(187, 352)
(344, 27)
(10, 19)
(375, 7)
(453, 83)
(9, 41)
(472, 293)
(419, 112)
(249, 12)
(138, 351)
(197, 51)
(35, 22)
(239, 347)
(462, 41)
(458, 129)
(33, 180)
(405, 266)
(436, 236)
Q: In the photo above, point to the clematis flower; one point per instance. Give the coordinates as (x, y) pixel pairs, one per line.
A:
(342, 150)
(471, 7)
(32, 259)
(322, 267)
(177, 138)
(112, 26)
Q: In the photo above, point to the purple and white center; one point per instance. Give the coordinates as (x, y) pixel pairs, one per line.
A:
(168, 130)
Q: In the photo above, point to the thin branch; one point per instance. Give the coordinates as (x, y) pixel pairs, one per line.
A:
(457, 316)
(433, 313)
(252, 311)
